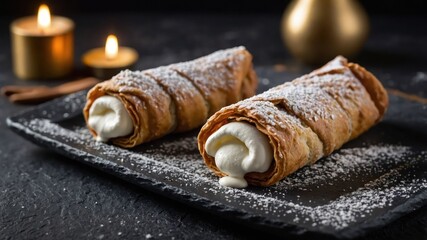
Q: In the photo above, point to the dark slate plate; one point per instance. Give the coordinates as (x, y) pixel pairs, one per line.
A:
(370, 182)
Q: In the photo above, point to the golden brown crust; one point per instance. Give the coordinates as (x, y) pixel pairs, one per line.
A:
(305, 119)
(223, 79)
(184, 95)
(339, 82)
(315, 108)
(373, 86)
(178, 97)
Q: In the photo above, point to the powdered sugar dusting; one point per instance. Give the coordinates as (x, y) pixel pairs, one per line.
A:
(217, 68)
(174, 84)
(127, 80)
(342, 163)
(308, 102)
(382, 172)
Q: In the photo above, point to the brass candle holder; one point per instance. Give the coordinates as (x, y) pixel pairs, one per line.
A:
(107, 62)
(42, 46)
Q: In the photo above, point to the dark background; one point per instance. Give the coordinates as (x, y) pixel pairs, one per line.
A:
(44, 195)
(25, 7)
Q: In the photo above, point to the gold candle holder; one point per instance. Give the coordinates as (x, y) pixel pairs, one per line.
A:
(107, 62)
(42, 46)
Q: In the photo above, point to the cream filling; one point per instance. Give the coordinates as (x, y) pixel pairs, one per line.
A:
(109, 118)
(239, 148)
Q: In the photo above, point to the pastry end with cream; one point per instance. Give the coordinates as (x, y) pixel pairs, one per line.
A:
(109, 118)
(239, 148)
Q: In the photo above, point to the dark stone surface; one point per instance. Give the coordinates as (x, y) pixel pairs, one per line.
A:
(45, 195)
(65, 133)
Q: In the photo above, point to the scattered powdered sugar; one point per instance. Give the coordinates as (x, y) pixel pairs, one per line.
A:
(365, 180)
(73, 102)
(360, 203)
(419, 77)
(340, 164)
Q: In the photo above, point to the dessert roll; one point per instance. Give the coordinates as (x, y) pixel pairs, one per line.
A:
(263, 139)
(139, 106)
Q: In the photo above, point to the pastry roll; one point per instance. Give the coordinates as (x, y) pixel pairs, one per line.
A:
(263, 139)
(139, 106)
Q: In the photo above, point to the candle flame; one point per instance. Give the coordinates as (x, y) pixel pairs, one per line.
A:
(111, 47)
(43, 17)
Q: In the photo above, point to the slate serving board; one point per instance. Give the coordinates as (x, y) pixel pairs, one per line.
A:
(370, 182)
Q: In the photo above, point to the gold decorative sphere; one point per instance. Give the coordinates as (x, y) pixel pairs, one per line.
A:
(316, 31)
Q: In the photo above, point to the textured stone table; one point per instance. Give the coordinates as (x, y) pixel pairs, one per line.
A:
(46, 196)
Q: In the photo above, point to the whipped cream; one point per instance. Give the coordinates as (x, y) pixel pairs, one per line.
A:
(239, 148)
(109, 118)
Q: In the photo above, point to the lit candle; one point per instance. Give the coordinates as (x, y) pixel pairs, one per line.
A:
(107, 62)
(42, 45)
